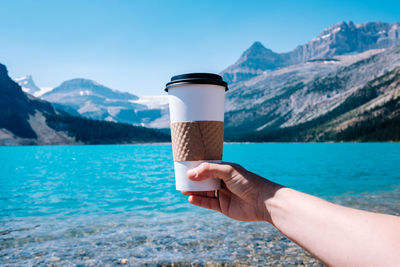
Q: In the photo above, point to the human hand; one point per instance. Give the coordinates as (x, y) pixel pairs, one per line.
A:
(242, 196)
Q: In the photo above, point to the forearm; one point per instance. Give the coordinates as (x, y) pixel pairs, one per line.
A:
(336, 235)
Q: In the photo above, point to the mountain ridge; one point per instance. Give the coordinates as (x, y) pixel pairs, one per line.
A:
(339, 39)
(77, 84)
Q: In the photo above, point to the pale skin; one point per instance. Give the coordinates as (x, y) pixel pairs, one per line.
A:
(336, 235)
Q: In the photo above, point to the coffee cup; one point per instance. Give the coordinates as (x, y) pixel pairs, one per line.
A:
(196, 105)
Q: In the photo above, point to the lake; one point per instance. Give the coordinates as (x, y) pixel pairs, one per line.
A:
(103, 205)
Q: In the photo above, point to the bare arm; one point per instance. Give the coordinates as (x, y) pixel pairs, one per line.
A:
(336, 235)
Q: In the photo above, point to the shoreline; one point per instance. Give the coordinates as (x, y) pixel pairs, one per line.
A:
(225, 143)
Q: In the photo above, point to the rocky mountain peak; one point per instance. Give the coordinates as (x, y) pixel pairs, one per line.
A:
(342, 27)
(259, 57)
(255, 60)
(343, 38)
(27, 84)
(256, 47)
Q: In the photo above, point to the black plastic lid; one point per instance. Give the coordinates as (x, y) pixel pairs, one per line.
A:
(197, 78)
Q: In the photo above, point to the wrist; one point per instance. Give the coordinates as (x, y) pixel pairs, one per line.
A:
(269, 199)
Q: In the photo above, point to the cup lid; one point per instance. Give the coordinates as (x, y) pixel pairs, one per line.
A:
(197, 78)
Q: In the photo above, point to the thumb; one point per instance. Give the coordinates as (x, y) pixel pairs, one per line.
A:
(211, 170)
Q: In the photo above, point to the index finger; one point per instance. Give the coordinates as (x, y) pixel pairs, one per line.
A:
(211, 170)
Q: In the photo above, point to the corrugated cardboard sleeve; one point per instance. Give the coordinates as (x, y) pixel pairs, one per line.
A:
(197, 140)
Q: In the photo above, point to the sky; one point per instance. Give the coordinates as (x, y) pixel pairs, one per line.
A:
(136, 46)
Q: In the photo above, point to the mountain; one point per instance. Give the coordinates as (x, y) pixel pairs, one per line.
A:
(320, 91)
(27, 120)
(93, 100)
(340, 39)
(29, 86)
(299, 102)
(371, 113)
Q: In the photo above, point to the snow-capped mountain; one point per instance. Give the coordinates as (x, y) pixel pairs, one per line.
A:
(28, 86)
(347, 89)
(340, 39)
(93, 100)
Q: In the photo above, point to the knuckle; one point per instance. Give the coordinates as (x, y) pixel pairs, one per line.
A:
(204, 167)
(229, 169)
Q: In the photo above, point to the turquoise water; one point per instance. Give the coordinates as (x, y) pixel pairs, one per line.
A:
(96, 205)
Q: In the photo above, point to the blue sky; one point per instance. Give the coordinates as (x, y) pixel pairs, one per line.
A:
(137, 46)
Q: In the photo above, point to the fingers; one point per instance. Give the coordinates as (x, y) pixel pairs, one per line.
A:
(205, 202)
(211, 170)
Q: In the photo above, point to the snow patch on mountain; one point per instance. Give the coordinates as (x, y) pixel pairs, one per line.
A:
(152, 101)
(43, 90)
(89, 107)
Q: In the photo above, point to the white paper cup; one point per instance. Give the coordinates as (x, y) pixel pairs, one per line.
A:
(196, 97)
(183, 183)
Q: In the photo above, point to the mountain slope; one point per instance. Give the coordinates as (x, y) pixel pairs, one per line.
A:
(371, 113)
(27, 120)
(91, 131)
(340, 39)
(16, 108)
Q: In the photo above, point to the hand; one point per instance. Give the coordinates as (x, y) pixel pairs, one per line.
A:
(242, 195)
